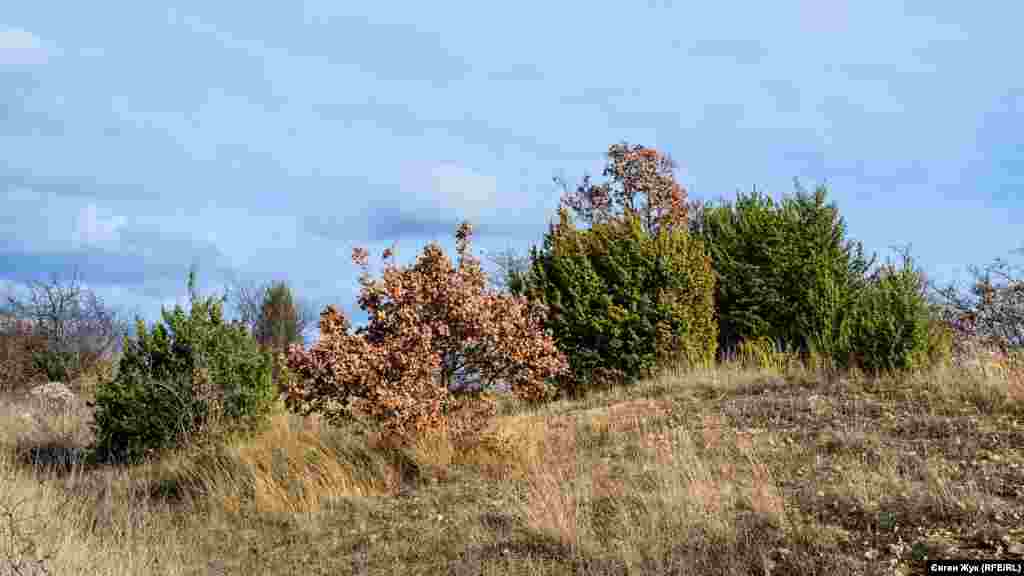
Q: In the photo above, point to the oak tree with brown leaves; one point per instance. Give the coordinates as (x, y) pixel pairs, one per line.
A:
(432, 329)
(634, 172)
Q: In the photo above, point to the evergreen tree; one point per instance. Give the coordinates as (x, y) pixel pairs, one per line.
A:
(277, 325)
(785, 271)
(634, 290)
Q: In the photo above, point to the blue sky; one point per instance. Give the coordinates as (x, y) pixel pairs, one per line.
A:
(265, 142)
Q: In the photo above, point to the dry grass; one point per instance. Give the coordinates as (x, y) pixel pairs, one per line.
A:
(733, 469)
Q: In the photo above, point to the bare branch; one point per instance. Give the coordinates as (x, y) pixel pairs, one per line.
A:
(510, 266)
(73, 321)
(993, 311)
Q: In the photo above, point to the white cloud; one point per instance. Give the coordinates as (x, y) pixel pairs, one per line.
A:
(447, 188)
(21, 47)
(91, 230)
(464, 187)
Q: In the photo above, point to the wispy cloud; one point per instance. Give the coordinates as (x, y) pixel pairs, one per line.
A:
(446, 187)
(21, 47)
(266, 144)
(94, 231)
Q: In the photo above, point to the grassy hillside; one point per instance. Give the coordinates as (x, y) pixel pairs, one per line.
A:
(728, 470)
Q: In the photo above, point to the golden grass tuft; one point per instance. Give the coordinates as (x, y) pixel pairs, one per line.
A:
(729, 469)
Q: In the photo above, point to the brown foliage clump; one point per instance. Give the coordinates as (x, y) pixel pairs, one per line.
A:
(16, 369)
(431, 328)
(18, 344)
(633, 171)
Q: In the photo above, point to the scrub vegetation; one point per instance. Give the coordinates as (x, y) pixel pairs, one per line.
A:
(680, 388)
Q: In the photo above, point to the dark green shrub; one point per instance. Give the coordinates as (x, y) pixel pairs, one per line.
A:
(277, 326)
(62, 363)
(784, 271)
(194, 379)
(889, 325)
(55, 364)
(621, 302)
(633, 291)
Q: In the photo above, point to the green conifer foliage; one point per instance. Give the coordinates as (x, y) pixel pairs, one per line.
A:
(890, 327)
(785, 272)
(278, 324)
(185, 380)
(635, 289)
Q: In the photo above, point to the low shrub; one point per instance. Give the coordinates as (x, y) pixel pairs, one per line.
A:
(57, 365)
(622, 303)
(195, 378)
(939, 350)
(18, 347)
(785, 269)
(889, 327)
(635, 291)
(432, 329)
